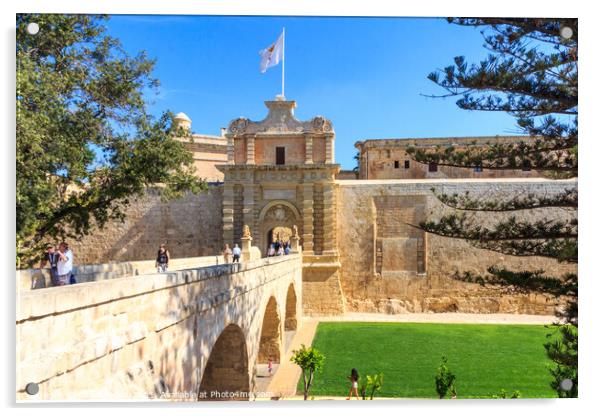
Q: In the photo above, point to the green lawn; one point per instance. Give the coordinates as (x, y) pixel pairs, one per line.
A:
(484, 358)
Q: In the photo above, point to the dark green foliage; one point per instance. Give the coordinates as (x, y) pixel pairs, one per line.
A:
(85, 145)
(532, 74)
(563, 351)
(444, 379)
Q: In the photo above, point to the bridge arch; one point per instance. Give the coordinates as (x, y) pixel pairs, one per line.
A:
(271, 337)
(227, 370)
(290, 318)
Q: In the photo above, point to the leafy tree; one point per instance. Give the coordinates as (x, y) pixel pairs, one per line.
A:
(85, 143)
(530, 73)
(444, 379)
(310, 360)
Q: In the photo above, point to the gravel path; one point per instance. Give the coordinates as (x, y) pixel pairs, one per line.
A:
(444, 318)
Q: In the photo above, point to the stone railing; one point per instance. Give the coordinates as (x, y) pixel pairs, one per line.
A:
(28, 279)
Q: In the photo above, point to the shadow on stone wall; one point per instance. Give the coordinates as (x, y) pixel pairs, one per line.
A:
(190, 226)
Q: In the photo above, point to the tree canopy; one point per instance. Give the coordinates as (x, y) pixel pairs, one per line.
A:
(530, 73)
(86, 145)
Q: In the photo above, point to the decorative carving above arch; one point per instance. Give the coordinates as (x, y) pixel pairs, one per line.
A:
(279, 211)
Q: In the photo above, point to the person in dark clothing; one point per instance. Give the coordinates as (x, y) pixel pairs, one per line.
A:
(51, 258)
(162, 259)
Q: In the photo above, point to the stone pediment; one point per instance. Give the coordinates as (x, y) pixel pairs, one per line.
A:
(280, 120)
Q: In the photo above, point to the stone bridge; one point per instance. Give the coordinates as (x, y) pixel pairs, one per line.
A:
(183, 335)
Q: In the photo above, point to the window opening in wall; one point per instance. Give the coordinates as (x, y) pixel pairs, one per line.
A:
(478, 169)
(280, 155)
(432, 167)
(397, 164)
(406, 164)
(526, 165)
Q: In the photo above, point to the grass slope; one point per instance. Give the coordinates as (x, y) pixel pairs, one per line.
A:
(484, 358)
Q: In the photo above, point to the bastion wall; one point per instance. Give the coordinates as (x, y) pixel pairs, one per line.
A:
(389, 266)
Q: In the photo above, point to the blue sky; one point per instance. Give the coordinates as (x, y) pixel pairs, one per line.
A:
(365, 74)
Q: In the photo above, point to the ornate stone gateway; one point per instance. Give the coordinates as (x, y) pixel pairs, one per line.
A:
(281, 175)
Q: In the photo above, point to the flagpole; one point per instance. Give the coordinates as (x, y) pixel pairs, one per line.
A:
(283, 62)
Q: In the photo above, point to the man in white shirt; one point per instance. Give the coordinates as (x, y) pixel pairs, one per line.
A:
(236, 254)
(64, 265)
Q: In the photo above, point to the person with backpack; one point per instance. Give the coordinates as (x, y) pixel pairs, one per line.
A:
(162, 259)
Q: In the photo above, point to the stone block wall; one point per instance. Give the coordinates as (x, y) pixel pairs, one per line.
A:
(190, 226)
(367, 235)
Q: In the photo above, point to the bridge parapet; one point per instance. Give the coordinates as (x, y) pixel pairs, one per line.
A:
(29, 279)
(81, 341)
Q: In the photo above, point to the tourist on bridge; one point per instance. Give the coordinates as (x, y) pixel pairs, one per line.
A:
(64, 265)
(227, 253)
(51, 257)
(236, 254)
(162, 259)
(271, 250)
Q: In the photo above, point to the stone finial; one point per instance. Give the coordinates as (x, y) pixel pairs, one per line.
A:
(294, 240)
(246, 232)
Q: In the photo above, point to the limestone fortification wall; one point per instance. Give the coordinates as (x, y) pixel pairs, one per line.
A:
(190, 226)
(139, 337)
(390, 267)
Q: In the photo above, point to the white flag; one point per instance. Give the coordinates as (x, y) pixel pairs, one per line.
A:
(272, 55)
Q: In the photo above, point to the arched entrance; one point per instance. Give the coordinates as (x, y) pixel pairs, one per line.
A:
(269, 343)
(279, 233)
(227, 370)
(290, 320)
(276, 220)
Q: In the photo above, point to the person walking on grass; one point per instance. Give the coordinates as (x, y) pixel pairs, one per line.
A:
(354, 378)
(162, 259)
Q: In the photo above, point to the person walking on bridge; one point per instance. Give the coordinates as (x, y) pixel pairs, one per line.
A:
(162, 259)
(236, 254)
(64, 265)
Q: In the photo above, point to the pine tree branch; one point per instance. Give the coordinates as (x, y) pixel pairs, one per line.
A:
(566, 199)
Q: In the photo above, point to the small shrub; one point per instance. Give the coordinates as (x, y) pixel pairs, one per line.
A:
(444, 379)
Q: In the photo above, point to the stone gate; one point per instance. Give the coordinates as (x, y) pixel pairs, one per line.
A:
(281, 173)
